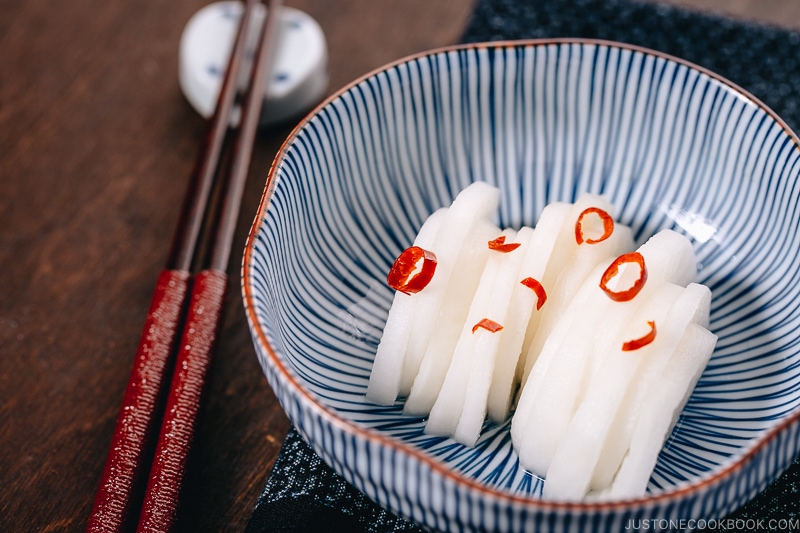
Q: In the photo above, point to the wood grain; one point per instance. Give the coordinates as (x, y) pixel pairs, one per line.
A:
(96, 146)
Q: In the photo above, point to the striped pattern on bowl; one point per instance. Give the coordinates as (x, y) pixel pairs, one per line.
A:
(672, 146)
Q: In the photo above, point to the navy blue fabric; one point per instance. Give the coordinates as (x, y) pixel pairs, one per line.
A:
(302, 493)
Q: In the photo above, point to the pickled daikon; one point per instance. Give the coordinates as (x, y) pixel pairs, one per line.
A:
(591, 346)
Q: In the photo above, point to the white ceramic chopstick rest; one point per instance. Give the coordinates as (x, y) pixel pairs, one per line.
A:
(299, 77)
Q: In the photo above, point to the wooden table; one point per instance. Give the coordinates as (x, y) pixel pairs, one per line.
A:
(96, 146)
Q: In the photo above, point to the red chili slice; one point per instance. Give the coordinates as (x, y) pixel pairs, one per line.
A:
(608, 226)
(536, 287)
(499, 245)
(487, 323)
(613, 270)
(406, 275)
(635, 344)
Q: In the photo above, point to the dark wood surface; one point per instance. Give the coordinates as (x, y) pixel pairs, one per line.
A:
(96, 146)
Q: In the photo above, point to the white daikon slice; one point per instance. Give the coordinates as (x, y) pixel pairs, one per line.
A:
(459, 265)
(566, 279)
(384, 381)
(522, 313)
(557, 382)
(692, 307)
(450, 321)
(488, 344)
(574, 460)
(565, 246)
(553, 316)
(661, 411)
(561, 254)
(593, 326)
(444, 400)
(532, 388)
(670, 257)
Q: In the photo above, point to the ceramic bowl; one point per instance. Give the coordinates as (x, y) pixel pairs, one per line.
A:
(670, 144)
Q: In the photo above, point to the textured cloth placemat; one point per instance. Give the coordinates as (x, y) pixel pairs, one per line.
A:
(304, 494)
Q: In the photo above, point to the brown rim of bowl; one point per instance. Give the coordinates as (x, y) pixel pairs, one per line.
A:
(706, 480)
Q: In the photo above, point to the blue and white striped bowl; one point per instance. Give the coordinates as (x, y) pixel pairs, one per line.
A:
(672, 145)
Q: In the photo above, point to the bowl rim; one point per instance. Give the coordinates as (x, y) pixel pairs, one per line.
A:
(732, 464)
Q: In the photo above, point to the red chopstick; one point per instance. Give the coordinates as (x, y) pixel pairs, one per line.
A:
(119, 498)
(204, 315)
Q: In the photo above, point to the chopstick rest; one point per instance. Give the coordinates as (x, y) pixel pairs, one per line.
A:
(298, 79)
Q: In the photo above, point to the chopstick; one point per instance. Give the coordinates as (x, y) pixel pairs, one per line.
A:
(119, 497)
(204, 314)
